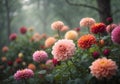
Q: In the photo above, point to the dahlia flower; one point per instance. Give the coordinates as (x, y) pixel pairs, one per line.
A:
(57, 25)
(87, 22)
(63, 49)
(109, 20)
(103, 68)
(64, 28)
(49, 41)
(115, 35)
(23, 74)
(18, 60)
(5, 49)
(98, 28)
(36, 37)
(49, 64)
(77, 29)
(86, 41)
(71, 35)
(23, 30)
(4, 59)
(10, 63)
(32, 67)
(13, 36)
(110, 27)
(106, 52)
(95, 54)
(40, 56)
(55, 62)
(20, 55)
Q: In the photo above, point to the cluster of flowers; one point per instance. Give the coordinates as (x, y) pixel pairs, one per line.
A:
(63, 49)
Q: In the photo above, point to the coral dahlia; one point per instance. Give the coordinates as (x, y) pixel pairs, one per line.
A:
(87, 22)
(57, 25)
(103, 68)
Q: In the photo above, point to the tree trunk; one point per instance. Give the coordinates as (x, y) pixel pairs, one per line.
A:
(8, 18)
(104, 6)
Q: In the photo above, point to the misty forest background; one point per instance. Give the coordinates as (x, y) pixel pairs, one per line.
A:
(39, 14)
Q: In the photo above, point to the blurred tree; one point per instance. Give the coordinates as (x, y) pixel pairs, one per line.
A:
(8, 9)
(45, 13)
(103, 8)
(2, 23)
(11, 7)
(8, 21)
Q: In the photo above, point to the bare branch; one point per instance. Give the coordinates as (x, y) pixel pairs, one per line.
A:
(83, 5)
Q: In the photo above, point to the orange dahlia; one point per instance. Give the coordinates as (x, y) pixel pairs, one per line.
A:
(98, 28)
(32, 67)
(86, 41)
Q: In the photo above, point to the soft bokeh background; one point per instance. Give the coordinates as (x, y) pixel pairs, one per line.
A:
(39, 14)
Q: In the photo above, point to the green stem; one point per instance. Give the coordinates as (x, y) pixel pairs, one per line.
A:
(25, 81)
(99, 38)
(59, 34)
(88, 30)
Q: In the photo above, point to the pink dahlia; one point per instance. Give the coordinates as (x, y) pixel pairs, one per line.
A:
(13, 36)
(23, 74)
(87, 22)
(40, 56)
(23, 30)
(57, 25)
(63, 49)
(110, 27)
(115, 36)
(103, 68)
(36, 37)
(49, 64)
(64, 28)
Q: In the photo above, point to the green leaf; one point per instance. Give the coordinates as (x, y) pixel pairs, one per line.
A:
(42, 72)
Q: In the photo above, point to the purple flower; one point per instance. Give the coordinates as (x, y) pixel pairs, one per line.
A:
(109, 20)
(40, 56)
(115, 36)
(106, 52)
(23, 74)
(95, 54)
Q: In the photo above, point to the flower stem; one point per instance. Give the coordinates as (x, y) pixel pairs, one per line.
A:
(59, 34)
(25, 81)
(88, 30)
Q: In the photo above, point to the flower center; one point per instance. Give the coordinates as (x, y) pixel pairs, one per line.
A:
(62, 49)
